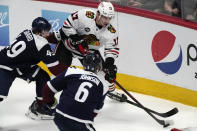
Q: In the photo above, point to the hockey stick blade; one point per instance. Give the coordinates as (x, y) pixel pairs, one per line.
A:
(161, 122)
(166, 114)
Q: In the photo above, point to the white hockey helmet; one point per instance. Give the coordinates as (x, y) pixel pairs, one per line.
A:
(106, 9)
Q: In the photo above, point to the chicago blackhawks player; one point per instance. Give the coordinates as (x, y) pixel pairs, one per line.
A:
(87, 31)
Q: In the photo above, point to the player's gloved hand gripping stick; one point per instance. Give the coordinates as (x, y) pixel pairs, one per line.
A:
(110, 69)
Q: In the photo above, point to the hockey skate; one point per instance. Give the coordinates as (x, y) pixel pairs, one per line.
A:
(117, 96)
(114, 95)
(36, 112)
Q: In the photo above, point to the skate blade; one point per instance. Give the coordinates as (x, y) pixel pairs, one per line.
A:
(33, 116)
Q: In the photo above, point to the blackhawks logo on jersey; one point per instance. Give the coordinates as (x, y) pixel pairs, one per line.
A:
(111, 29)
(90, 14)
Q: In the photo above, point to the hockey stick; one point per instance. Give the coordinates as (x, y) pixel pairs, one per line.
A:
(166, 114)
(161, 122)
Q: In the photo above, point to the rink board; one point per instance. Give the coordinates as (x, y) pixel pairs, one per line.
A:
(153, 88)
(158, 89)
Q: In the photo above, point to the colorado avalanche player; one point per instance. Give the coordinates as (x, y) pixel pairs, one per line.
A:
(82, 96)
(20, 59)
(87, 31)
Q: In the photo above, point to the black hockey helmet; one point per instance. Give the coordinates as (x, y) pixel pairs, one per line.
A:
(92, 62)
(40, 24)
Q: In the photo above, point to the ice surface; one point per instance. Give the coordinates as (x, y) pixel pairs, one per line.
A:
(115, 116)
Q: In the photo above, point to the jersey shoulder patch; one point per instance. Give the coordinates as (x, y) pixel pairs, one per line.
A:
(90, 14)
(111, 29)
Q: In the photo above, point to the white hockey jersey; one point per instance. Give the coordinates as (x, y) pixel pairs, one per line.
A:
(83, 23)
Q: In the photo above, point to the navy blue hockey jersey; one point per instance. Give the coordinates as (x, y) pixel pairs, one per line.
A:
(26, 51)
(83, 94)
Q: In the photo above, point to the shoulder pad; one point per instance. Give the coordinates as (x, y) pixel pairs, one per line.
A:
(111, 29)
(90, 14)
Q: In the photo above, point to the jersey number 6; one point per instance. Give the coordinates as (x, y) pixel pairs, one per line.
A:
(82, 92)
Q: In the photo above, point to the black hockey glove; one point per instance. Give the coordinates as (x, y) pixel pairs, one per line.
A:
(79, 43)
(110, 69)
(111, 73)
(108, 63)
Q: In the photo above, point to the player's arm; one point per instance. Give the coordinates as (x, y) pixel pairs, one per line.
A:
(70, 25)
(101, 99)
(111, 49)
(111, 43)
(52, 87)
(111, 52)
(48, 92)
(75, 42)
(50, 60)
(99, 106)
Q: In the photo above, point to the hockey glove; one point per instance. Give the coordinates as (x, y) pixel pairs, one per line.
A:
(110, 75)
(79, 43)
(108, 63)
(110, 69)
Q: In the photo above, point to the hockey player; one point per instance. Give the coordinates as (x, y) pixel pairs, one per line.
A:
(82, 96)
(20, 59)
(87, 31)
